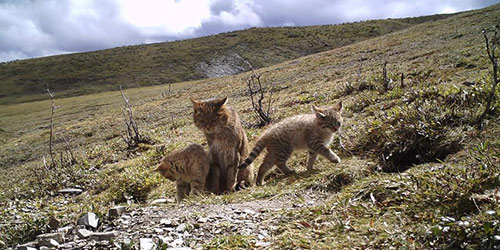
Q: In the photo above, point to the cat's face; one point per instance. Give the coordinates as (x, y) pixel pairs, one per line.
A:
(329, 117)
(166, 168)
(210, 114)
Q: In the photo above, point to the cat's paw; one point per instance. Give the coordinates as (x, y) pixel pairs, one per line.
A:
(335, 159)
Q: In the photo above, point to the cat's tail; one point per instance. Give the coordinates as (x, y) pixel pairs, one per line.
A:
(257, 149)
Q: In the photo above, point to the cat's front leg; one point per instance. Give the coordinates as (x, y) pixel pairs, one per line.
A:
(310, 160)
(182, 190)
(231, 177)
(328, 154)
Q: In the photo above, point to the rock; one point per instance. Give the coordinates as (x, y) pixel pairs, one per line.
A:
(159, 201)
(24, 248)
(89, 219)
(83, 233)
(146, 244)
(181, 228)
(262, 244)
(116, 211)
(249, 211)
(50, 239)
(54, 223)
(202, 220)
(65, 230)
(127, 243)
(73, 191)
(168, 223)
(44, 248)
(104, 236)
(158, 230)
(177, 242)
(179, 248)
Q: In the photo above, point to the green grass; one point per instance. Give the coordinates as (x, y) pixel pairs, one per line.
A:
(364, 207)
(177, 61)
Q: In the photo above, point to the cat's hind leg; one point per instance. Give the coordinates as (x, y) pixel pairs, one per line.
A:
(267, 164)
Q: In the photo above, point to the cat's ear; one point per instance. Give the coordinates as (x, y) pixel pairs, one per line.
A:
(338, 106)
(221, 102)
(195, 102)
(319, 112)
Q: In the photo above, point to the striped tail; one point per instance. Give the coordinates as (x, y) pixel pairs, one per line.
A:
(255, 152)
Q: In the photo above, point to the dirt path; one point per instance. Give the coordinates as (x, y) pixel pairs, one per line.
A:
(193, 226)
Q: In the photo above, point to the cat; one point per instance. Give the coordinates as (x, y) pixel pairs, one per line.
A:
(312, 132)
(227, 141)
(188, 168)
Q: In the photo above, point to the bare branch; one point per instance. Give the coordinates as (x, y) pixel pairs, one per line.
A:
(255, 88)
(132, 137)
(491, 51)
(53, 110)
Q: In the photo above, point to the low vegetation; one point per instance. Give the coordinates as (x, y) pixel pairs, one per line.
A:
(416, 172)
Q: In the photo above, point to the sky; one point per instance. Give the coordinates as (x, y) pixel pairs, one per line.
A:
(36, 28)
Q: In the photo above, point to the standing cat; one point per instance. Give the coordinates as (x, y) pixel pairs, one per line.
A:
(312, 132)
(228, 143)
(188, 168)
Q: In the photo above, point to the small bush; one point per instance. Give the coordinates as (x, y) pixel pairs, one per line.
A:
(134, 183)
(423, 125)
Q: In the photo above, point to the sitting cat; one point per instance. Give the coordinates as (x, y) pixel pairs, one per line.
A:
(188, 168)
(312, 132)
(227, 142)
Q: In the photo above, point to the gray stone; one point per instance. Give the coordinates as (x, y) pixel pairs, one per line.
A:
(181, 228)
(70, 191)
(50, 240)
(89, 219)
(262, 244)
(168, 223)
(83, 233)
(179, 248)
(116, 211)
(202, 220)
(54, 223)
(66, 229)
(104, 236)
(177, 242)
(158, 230)
(146, 244)
(44, 248)
(24, 247)
(127, 242)
(30, 245)
(159, 201)
(249, 211)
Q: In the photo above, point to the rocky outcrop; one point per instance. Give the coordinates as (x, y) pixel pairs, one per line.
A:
(223, 65)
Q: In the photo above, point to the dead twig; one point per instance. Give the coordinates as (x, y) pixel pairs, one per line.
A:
(491, 51)
(257, 93)
(51, 138)
(132, 137)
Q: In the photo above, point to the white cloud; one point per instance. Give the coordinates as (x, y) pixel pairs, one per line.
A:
(164, 17)
(33, 28)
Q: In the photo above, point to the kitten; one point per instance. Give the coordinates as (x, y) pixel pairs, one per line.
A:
(312, 132)
(188, 168)
(228, 143)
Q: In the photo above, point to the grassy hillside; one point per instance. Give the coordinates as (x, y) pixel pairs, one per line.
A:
(153, 64)
(447, 197)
